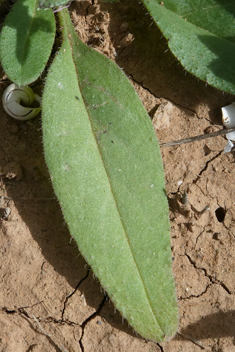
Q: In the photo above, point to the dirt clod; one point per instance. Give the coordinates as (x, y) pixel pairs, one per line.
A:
(12, 171)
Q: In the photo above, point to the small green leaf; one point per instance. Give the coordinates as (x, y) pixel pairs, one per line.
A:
(44, 4)
(26, 41)
(106, 169)
(201, 34)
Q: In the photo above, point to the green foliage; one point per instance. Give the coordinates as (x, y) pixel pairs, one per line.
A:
(44, 4)
(26, 41)
(107, 173)
(201, 34)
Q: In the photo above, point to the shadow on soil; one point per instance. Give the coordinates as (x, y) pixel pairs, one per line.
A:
(216, 325)
(149, 61)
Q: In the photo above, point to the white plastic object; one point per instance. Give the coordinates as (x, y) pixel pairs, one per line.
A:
(229, 146)
(228, 118)
(13, 98)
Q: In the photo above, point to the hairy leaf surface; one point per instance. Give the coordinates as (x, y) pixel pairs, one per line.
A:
(201, 34)
(45, 4)
(107, 173)
(26, 41)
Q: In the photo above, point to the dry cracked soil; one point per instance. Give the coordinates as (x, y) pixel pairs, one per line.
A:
(49, 300)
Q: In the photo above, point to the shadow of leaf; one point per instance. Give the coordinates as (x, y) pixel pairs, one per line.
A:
(228, 6)
(223, 65)
(152, 64)
(26, 27)
(216, 325)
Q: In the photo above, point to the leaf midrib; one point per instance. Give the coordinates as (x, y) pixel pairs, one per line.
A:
(111, 189)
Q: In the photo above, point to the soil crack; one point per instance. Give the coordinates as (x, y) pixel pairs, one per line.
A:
(206, 166)
(72, 293)
(195, 267)
(92, 316)
(25, 315)
(161, 348)
(212, 279)
(195, 296)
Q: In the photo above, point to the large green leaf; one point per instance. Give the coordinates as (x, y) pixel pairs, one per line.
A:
(106, 169)
(201, 34)
(26, 41)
